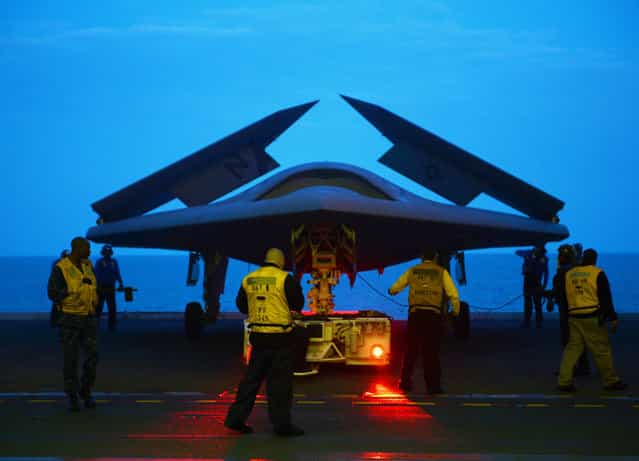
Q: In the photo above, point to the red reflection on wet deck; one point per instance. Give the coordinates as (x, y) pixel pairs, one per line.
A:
(402, 456)
(383, 393)
(363, 456)
(199, 423)
(389, 406)
(229, 396)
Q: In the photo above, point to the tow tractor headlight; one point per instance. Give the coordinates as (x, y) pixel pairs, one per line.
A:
(377, 351)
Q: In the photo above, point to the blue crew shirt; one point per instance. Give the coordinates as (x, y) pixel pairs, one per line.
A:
(107, 272)
(534, 265)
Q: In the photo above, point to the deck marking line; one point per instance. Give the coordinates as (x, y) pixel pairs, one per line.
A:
(311, 402)
(149, 401)
(472, 404)
(618, 397)
(184, 393)
(536, 405)
(204, 401)
(41, 401)
(590, 405)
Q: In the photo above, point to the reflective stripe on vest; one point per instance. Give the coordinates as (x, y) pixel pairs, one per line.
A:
(267, 304)
(581, 289)
(82, 297)
(426, 282)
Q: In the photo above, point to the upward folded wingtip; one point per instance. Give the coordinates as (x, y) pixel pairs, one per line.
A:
(208, 173)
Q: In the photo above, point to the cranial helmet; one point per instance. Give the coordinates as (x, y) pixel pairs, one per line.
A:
(566, 254)
(106, 250)
(275, 256)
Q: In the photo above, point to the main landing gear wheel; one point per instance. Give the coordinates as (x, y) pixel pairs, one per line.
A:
(193, 320)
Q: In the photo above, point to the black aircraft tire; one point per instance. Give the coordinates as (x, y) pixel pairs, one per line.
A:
(462, 323)
(193, 320)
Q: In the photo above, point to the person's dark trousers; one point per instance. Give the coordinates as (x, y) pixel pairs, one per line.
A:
(107, 293)
(424, 332)
(301, 338)
(54, 316)
(532, 297)
(79, 332)
(583, 366)
(275, 364)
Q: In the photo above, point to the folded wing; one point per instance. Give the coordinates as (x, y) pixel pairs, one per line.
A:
(206, 174)
(448, 170)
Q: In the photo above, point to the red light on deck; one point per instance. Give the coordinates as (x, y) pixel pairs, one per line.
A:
(377, 351)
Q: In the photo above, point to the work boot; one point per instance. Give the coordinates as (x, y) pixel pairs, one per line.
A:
(73, 404)
(289, 430)
(617, 386)
(240, 428)
(89, 401)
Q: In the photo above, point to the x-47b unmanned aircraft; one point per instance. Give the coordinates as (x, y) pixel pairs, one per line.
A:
(333, 218)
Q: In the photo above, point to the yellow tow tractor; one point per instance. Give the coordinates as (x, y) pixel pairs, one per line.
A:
(350, 337)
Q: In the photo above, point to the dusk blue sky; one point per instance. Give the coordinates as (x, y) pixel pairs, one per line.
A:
(96, 95)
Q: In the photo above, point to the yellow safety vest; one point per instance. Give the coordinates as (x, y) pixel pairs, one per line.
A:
(581, 289)
(267, 305)
(426, 287)
(82, 297)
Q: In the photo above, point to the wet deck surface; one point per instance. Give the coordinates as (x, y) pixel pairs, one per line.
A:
(161, 396)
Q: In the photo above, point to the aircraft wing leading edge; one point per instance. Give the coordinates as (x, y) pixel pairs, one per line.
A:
(206, 174)
(448, 170)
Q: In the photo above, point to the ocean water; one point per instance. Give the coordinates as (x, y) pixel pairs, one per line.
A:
(493, 280)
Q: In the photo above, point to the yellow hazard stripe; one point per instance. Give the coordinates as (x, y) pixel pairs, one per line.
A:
(42, 401)
(205, 401)
(473, 404)
(590, 405)
(536, 405)
(311, 402)
(149, 401)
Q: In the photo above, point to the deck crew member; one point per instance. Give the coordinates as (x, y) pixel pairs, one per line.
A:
(55, 309)
(566, 260)
(72, 286)
(535, 271)
(268, 295)
(430, 289)
(587, 295)
(107, 272)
